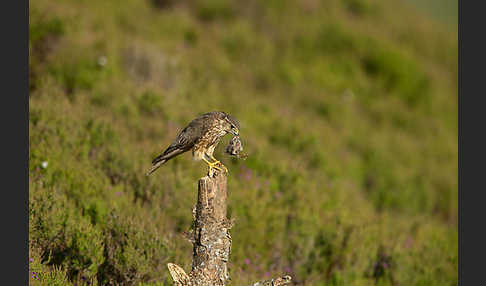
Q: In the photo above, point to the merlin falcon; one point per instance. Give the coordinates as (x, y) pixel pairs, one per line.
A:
(201, 135)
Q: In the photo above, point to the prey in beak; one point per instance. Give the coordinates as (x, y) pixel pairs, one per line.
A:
(235, 147)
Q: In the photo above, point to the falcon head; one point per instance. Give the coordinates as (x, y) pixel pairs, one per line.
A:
(231, 125)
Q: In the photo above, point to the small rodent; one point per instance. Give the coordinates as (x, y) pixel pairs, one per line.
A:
(235, 147)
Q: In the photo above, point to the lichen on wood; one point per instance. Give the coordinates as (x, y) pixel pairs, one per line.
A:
(284, 280)
(211, 238)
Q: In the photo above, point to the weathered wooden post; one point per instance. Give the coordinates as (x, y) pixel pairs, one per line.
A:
(211, 238)
(212, 241)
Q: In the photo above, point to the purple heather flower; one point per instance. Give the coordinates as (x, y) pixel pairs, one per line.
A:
(409, 242)
(31, 259)
(267, 274)
(247, 261)
(384, 264)
(118, 194)
(287, 269)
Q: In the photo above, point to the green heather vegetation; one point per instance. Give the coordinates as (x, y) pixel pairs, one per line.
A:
(348, 112)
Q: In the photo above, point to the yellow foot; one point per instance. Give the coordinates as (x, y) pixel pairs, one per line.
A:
(214, 165)
(222, 166)
(216, 161)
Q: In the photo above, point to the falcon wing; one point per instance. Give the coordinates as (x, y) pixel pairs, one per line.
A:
(186, 138)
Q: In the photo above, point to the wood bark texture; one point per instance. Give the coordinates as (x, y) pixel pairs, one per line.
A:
(211, 238)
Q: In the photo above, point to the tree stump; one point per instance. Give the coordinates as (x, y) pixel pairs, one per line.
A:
(211, 238)
(212, 241)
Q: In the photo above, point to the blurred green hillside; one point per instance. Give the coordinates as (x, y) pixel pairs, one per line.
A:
(348, 112)
(443, 10)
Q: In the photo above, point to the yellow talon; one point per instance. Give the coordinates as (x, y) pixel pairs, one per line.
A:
(223, 166)
(215, 166)
(216, 161)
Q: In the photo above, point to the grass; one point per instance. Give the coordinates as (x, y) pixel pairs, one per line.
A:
(348, 112)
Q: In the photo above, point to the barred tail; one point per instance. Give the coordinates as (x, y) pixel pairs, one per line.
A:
(157, 162)
(171, 152)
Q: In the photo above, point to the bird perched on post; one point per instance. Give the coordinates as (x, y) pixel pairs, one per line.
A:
(201, 135)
